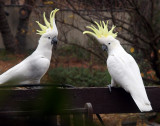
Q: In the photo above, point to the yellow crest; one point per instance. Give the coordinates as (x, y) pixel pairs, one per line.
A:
(49, 25)
(101, 31)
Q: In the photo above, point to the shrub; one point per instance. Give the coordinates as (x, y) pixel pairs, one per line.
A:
(79, 77)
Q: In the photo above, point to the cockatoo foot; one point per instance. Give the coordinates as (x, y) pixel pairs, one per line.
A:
(109, 87)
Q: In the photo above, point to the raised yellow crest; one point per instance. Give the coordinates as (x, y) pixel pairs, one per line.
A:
(49, 25)
(101, 31)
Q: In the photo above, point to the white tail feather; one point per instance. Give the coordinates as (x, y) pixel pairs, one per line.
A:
(142, 103)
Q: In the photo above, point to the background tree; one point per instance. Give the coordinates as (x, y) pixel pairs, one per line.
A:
(22, 28)
(8, 38)
(16, 43)
(137, 22)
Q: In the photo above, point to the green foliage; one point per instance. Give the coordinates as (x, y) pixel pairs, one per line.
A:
(80, 77)
(74, 51)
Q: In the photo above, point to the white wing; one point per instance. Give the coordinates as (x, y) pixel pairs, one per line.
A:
(28, 71)
(125, 72)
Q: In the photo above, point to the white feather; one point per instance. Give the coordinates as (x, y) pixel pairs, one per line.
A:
(125, 72)
(32, 69)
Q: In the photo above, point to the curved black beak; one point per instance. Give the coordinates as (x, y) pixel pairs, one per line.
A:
(54, 42)
(104, 48)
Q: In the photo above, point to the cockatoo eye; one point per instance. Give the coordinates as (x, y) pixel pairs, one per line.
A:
(109, 43)
(49, 37)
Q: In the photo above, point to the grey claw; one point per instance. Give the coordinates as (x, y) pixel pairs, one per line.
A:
(109, 87)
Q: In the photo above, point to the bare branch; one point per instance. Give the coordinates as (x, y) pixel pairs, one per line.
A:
(76, 12)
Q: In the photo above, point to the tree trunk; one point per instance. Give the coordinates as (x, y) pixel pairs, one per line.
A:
(22, 29)
(156, 63)
(8, 38)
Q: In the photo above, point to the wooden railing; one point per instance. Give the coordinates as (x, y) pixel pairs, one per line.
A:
(48, 102)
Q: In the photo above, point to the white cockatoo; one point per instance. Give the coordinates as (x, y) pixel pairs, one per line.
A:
(121, 65)
(32, 69)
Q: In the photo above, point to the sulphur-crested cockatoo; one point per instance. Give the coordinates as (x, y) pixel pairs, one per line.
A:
(121, 65)
(32, 69)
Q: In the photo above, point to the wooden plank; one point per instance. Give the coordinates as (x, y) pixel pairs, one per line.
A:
(78, 120)
(119, 101)
(65, 120)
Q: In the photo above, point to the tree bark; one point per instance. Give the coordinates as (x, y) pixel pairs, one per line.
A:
(22, 29)
(7, 37)
(156, 62)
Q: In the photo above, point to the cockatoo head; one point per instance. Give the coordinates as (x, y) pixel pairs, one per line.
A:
(103, 35)
(48, 31)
